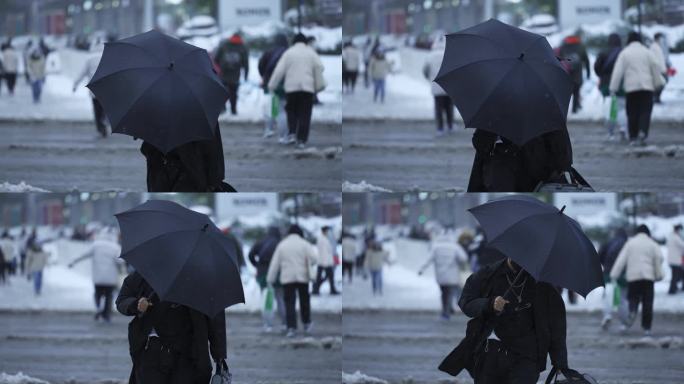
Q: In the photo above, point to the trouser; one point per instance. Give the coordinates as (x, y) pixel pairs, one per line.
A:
(232, 96)
(507, 368)
(347, 269)
(3, 276)
(276, 121)
(352, 76)
(329, 275)
(37, 282)
(292, 290)
(639, 106)
(379, 90)
(641, 291)
(100, 122)
(576, 102)
(11, 80)
(106, 292)
(376, 281)
(677, 278)
(161, 365)
(37, 90)
(443, 107)
(279, 294)
(449, 293)
(299, 106)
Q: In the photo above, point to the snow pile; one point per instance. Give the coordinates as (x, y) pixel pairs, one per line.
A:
(21, 187)
(327, 39)
(19, 378)
(363, 186)
(312, 342)
(360, 378)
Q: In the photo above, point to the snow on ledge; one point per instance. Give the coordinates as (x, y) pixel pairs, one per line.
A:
(19, 378)
(21, 187)
(360, 378)
(348, 186)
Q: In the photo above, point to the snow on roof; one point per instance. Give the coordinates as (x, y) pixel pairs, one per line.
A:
(540, 19)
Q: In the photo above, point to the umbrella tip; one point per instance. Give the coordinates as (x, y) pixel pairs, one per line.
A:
(562, 209)
(171, 64)
(521, 56)
(204, 229)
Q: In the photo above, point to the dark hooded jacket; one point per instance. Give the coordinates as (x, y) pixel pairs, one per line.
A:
(605, 62)
(477, 303)
(509, 168)
(269, 59)
(208, 335)
(232, 57)
(262, 252)
(197, 166)
(575, 54)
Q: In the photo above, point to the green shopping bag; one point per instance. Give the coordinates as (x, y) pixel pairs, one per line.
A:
(613, 109)
(616, 291)
(275, 106)
(268, 300)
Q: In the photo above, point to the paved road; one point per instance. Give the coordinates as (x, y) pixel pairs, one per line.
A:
(62, 347)
(400, 155)
(67, 156)
(398, 346)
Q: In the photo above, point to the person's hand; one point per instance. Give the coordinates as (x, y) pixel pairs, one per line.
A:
(499, 303)
(143, 304)
(70, 266)
(571, 374)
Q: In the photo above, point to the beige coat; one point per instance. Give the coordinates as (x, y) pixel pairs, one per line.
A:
(636, 67)
(379, 69)
(675, 248)
(325, 251)
(352, 58)
(349, 249)
(292, 261)
(297, 67)
(641, 257)
(36, 260)
(375, 259)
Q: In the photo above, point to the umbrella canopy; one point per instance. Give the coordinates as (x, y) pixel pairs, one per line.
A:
(505, 80)
(182, 255)
(548, 244)
(160, 89)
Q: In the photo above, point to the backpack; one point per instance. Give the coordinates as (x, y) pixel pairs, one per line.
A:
(575, 62)
(231, 60)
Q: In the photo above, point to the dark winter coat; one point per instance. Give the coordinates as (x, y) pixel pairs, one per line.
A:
(605, 62)
(609, 251)
(513, 169)
(574, 52)
(269, 59)
(262, 252)
(204, 330)
(197, 166)
(477, 303)
(232, 57)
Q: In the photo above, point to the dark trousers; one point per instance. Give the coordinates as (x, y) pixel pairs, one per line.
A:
(106, 292)
(576, 101)
(329, 275)
(347, 269)
(677, 279)
(3, 275)
(11, 80)
(291, 292)
(641, 291)
(232, 96)
(352, 76)
(160, 365)
(444, 108)
(298, 107)
(507, 368)
(448, 292)
(639, 106)
(100, 122)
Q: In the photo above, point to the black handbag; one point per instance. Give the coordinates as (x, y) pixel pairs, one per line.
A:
(569, 181)
(552, 378)
(222, 375)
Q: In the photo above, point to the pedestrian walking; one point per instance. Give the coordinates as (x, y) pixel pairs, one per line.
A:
(661, 50)
(449, 259)
(351, 57)
(349, 255)
(36, 70)
(301, 72)
(444, 108)
(641, 259)
(291, 266)
(675, 257)
(640, 73)
(87, 73)
(575, 56)
(378, 68)
(36, 260)
(169, 343)
(275, 119)
(104, 254)
(326, 262)
(10, 65)
(615, 293)
(9, 250)
(374, 260)
(369, 50)
(233, 59)
(603, 67)
(260, 257)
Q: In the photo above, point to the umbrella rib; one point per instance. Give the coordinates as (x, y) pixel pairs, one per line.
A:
(471, 63)
(560, 110)
(197, 97)
(156, 237)
(119, 71)
(498, 84)
(194, 247)
(139, 97)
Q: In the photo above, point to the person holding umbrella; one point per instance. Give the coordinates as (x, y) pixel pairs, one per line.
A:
(516, 299)
(164, 91)
(176, 296)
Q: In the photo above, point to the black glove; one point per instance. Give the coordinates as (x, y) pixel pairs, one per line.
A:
(571, 374)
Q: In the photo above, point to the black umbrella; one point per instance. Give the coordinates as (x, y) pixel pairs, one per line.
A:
(160, 89)
(505, 80)
(549, 245)
(182, 255)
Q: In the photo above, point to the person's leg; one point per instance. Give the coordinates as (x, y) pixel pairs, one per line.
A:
(98, 112)
(647, 306)
(380, 281)
(11, 82)
(438, 114)
(232, 98)
(38, 282)
(633, 295)
(183, 371)
(631, 106)
(352, 79)
(330, 271)
(147, 369)
(575, 97)
(680, 273)
(646, 110)
(34, 91)
(304, 302)
(306, 108)
(374, 281)
(445, 297)
(291, 109)
(376, 89)
(674, 280)
(98, 300)
(279, 294)
(290, 296)
(382, 90)
(449, 109)
(107, 310)
(319, 280)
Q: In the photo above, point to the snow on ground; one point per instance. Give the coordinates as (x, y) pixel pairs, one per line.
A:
(19, 378)
(21, 187)
(404, 289)
(59, 102)
(360, 378)
(363, 186)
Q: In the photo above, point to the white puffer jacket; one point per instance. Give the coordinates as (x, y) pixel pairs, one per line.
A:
(352, 58)
(675, 248)
(636, 67)
(642, 258)
(325, 251)
(105, 254)
(447, 256)
(292, 261)
(297, 66)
